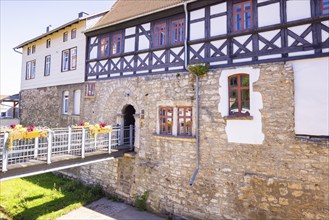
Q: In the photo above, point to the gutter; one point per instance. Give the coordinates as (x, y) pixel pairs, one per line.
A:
(15, 49)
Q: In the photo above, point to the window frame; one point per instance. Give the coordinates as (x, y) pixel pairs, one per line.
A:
(116, 41)
(155, 42)
(242, 13)
(172, 29)
(107, 51)
(28, 52)
(70, 67)
(33, 49)
(47, 65)
(48, 43)
(30, 65)
(161, 117)
(238, 88)
(65, 36)
(323, 8)
(65, 103)
(185, 122)
(90, 89)
(73, 33)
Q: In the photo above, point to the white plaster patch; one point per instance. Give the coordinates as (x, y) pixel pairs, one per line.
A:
(197, 30)
(298, 10)
(129, 44)
(130, 31)
(218, 26)
(311, 96)
(269, 56)
(146, 26)
(143, 43)
(93, 53)
(263, 15)
(197, 14)
(300, 53)
(219, 8)
(242, 60)
(218, 63)
(242, 131)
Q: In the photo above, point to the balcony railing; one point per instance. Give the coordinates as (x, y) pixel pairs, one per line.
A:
(62, 144)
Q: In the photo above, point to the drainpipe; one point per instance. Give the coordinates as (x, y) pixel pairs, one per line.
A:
(17, 51)
(196, 95)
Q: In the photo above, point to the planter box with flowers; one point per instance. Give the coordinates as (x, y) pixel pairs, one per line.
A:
(100, 128)
(18, 132)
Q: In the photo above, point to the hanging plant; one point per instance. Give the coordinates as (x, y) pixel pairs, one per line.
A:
(199, 69)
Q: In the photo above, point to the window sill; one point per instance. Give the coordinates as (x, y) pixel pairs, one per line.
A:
(191, 139)
(234, 117)
(75, 116)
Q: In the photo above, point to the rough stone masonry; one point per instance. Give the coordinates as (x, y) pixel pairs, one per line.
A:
(283, 178)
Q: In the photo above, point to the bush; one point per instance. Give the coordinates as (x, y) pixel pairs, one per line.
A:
(199, 69)
(140, 201)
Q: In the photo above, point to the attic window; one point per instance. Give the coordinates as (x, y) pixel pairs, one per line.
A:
(65, 36)
(28, 50)
(73, 33)
(33, 49)
(48, 43)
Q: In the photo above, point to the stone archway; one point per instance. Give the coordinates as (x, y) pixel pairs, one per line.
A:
(128, 113)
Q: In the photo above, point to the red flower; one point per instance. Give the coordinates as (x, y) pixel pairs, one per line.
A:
(30, 128)
(12, 126)
(82, 124)
(102, 125)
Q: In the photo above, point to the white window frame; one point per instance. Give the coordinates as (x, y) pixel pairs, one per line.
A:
(76, 102)
(69, 59)
(65, 109)
(48, 43)
(65, 36)
(73, 33)
(30, 70)
(47, 65)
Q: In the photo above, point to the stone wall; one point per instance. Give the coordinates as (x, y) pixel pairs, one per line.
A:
(43, 106)
(283, 178)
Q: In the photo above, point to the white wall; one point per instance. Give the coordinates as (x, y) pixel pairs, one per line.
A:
(269, 14)
(311, 96)
(298, 9)
(56, 77)
(242, 131)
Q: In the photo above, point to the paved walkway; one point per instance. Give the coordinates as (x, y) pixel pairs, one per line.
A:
(105, 209)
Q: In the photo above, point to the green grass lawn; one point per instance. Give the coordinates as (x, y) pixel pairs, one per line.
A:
(43, 196)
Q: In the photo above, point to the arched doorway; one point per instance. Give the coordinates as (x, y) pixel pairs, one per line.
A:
(129, 124)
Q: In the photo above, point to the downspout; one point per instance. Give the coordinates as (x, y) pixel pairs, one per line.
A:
(17, 51)
(196, 95)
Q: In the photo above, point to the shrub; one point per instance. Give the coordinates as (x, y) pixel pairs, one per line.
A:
(199, 69)
(140, 201)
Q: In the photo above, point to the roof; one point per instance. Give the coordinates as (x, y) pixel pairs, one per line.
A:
(57, 29)
(124, 10)
(11, 98)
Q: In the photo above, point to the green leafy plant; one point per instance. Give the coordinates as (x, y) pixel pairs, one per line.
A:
(140, 201)
(199, 69)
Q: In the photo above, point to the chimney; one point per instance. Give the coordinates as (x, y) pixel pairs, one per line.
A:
(48, 28)
(80, 15)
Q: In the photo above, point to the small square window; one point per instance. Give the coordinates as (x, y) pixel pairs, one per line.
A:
(65, 36)
(90, 90)
(73, 33)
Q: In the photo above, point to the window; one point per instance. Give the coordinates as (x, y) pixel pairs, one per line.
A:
(177, 31)
(48, 43)
(28, 50)
(116, 43)
(239, 97)
(33, 49)
(159, 35)
(65, 36)
(30, 70)
(65, 102)
(90, 90)
(166, 120)
(73, 33)
(47, 65)
(77, 98)
(185, 121)
(325, 7)
(242, 13)
(69, 59)
(104, 47)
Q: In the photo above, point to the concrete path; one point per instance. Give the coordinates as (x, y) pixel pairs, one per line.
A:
(105, 209)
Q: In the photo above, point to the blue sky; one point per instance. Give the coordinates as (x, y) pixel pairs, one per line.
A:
(24, 20)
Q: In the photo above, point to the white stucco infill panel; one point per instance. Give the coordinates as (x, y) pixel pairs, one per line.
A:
(200, 13)
(298, 9)
(143, 43)
(129, 44)
(311, 96)
(197, 30)
(242, 131)
(263, 15)
(218, 26)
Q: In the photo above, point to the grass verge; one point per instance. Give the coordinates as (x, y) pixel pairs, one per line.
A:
(44, 196)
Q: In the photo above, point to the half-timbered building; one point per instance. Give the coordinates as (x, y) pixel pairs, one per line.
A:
(254, 145)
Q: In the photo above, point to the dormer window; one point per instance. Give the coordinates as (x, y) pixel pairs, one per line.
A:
(242, 16)
(116, 43)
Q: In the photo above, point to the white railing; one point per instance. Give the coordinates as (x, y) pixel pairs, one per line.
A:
(62, 144)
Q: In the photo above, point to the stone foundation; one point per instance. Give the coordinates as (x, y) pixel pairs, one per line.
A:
(282, 178)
